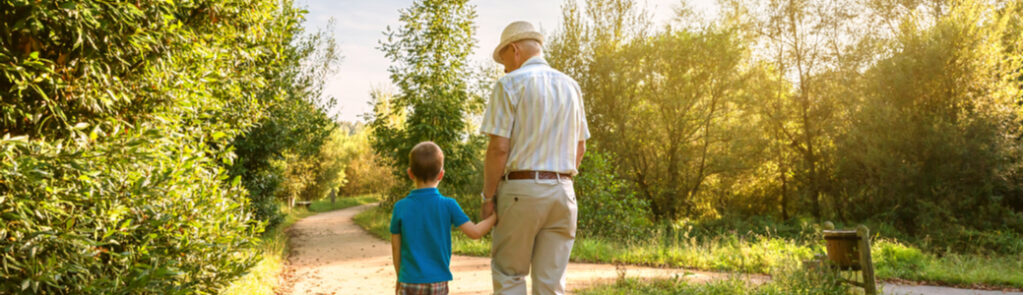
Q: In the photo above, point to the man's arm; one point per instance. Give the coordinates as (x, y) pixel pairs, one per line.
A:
(494, 168)
(478, 230)
(581, 147)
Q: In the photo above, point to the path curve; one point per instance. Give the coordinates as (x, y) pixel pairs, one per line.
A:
(330, 254)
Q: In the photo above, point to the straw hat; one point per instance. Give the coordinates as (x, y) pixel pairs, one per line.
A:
(516, 31)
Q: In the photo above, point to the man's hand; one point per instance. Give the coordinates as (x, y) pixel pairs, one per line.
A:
(494, 168)
(487, 209)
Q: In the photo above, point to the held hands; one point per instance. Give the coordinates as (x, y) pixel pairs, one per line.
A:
(487, 208)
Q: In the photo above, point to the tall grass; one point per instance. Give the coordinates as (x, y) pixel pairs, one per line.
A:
(763, 253)
(263, 278)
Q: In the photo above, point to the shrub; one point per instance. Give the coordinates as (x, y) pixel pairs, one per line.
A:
(893, 259)
(134, 215)
(607, 205)
(117, 120)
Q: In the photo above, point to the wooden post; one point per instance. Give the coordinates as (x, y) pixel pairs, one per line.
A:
(867, 268)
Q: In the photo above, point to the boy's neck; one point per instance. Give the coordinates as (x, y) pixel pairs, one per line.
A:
(420, 184)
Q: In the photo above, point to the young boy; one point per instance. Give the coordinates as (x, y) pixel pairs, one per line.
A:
(421, 236)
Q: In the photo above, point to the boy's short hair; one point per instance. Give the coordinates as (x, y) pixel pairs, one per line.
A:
(426, 161)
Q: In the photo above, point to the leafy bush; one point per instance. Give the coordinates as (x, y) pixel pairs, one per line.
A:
(893, 259)
(280, 158)
(607, 205)
(117, 119)
(137, 214)
(362, 173)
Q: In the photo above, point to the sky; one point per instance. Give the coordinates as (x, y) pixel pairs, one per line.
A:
(359, 25)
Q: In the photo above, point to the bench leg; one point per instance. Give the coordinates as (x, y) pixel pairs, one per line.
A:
(867, 267)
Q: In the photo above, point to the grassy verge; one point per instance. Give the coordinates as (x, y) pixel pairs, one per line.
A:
(342, 203)
(762, 254)
(787, 281)
(263, 278)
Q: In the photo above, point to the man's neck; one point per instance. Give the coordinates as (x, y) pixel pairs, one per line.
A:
(420, 185)
(529, 57)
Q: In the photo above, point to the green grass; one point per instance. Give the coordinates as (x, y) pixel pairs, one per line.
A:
(763, 254)
(894, 260)
(262, 278)
(787, 280)
(342, 203)
(758, 255)
(670, 286)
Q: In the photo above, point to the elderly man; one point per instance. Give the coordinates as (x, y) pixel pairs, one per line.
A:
(537, 130)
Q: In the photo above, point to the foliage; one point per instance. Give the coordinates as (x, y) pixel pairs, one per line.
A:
(429, 55)
(117, 118)
(607, 207)
(314, 176)
(137, 213)
(362, 173)
(668, 106)
(283, 156)
(897, 260)
(903, 115)
(957, 152)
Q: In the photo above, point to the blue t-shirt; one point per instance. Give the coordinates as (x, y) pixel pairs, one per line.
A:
(425, 219)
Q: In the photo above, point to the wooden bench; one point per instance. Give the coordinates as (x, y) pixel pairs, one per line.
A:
(304, 204)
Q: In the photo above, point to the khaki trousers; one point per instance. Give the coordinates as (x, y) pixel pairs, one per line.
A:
(536, 228)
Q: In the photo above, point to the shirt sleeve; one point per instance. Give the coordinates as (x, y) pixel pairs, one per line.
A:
(584, 129)
(584, 132)
(458, 217)
(396, 223)
(500, 114)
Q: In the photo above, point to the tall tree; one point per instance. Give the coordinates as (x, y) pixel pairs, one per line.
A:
(429, 54)
(806, 42)
(952, 90)
(664, 104)
(292, 129)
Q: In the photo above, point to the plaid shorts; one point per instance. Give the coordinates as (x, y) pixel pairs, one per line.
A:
(439, 288)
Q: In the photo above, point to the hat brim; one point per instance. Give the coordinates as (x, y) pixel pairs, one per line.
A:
(516, 37)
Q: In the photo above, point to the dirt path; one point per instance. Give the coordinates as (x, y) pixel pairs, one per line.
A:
(332, 255)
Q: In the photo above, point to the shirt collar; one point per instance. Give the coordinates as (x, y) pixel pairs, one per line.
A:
(427, 191)
(536, 60)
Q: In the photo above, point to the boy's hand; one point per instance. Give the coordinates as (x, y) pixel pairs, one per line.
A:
(486, 210)
(398, 288)
(495, 216)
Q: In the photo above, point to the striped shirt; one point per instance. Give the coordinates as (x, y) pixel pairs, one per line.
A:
(540, 111)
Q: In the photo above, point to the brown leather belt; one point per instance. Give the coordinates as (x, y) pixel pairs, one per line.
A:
(537, 175)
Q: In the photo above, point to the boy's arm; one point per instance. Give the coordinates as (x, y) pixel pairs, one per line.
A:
(478, 230)
(396, 251)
